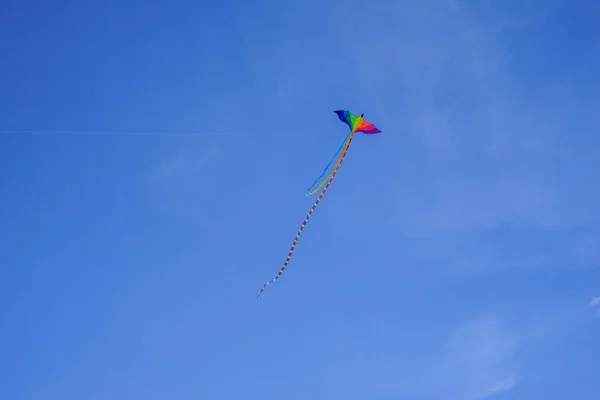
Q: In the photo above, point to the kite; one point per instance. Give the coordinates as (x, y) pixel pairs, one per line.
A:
(356, 124)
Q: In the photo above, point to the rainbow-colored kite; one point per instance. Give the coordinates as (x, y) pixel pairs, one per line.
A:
(356, 124)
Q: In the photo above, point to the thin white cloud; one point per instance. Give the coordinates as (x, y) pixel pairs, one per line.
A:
(485, 120)
(180, 183)
(595, 302)
(485, 154)
(475, 363)
(478, 359)
(185, 160)
(168, 168)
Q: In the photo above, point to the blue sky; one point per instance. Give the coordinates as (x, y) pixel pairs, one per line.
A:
(455, 256)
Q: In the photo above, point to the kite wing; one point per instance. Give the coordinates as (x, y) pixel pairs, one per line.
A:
(356, 124)
(346, 117)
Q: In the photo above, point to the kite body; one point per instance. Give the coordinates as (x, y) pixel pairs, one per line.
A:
(356, 124)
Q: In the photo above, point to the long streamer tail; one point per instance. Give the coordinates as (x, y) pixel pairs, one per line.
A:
(310, 190)
(315, 204)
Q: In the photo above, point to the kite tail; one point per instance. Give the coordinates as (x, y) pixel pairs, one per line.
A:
(308, 191)
(348, 138)
(315, 204)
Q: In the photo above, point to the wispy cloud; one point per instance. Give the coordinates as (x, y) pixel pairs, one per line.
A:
(481, 350)
(489, 168)
(595, 303)
(169, 168)
(180, 182)
(477, 361)
(185, 161)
